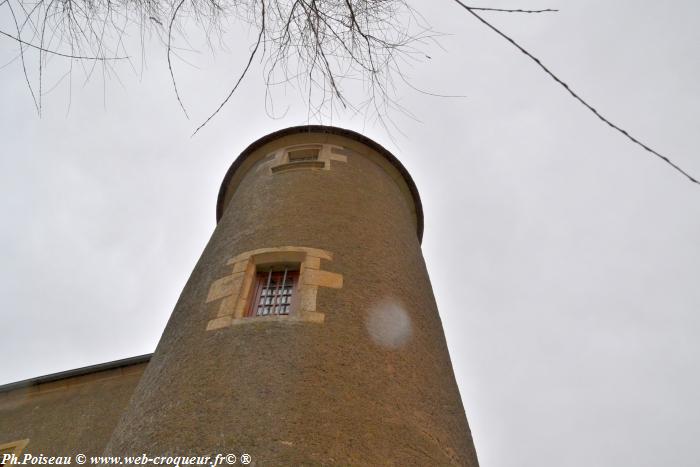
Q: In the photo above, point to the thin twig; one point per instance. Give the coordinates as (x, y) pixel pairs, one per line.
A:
(240, 78)
(53, 52)
(21, 53)
(504, 10)
(170, 66)
(428, 93)
(576, 96)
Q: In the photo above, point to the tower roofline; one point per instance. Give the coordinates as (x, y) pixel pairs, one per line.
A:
(327, 130)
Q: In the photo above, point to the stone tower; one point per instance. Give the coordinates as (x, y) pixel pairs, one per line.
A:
(308, 333)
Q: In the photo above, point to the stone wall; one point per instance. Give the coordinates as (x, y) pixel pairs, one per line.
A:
(67, 416)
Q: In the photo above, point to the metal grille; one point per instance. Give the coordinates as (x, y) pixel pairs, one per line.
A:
(273, 293)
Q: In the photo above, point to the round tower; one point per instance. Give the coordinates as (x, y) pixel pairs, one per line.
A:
(308, 333)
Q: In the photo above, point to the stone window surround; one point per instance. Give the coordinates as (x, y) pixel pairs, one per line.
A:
(16, 446)
(234, 291)
(279, 160)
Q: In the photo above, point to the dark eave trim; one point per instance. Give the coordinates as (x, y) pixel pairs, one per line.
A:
(76, 372)
(329, 130)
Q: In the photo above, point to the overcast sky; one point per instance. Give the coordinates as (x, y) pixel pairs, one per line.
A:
(565, 260)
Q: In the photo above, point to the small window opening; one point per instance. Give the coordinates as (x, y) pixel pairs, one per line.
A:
(273, 291)
(303, 154)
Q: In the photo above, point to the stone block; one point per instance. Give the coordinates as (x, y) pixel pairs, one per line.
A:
(218, 323)
(313, 316)
(224, 287)
(307, 298)
(228, 306)
(240, 308)
(323, 278)
(312, 262)
(240, 266)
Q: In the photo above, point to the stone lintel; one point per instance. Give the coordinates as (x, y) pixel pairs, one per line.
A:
(323, 254)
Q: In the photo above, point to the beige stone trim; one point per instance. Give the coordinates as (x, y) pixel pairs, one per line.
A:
(13, 447)
(239, 267)
(328, 155)
(312, 262)
(304, 316)
(227, 306)
(323, 279)
(233, 290)
(301, 165)
(225, 286)
(307, 298)
(337, 153)
(313, 316)
(302, 251)
(221, 322)
(279, 161)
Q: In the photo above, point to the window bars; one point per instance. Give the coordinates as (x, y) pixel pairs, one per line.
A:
(273, 293)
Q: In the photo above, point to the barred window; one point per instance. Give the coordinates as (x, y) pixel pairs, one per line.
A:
(273, 292)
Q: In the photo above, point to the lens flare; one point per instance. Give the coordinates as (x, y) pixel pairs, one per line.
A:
(389, 325)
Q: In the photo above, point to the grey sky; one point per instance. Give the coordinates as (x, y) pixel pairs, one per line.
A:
(565, 260)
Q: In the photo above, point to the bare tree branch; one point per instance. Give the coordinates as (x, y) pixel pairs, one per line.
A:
(503, 10)
(324, 46)
(576, 96)
(53, 52)
(240, 78)
(21, 53)
(170, 66)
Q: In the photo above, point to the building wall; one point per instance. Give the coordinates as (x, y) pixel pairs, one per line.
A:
(369, 384)
(68, 416)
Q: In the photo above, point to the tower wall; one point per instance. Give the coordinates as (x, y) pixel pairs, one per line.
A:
(358, 375)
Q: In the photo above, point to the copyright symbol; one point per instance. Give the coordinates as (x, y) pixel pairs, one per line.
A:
(230, 458)
(245, 459)
(80, 458)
